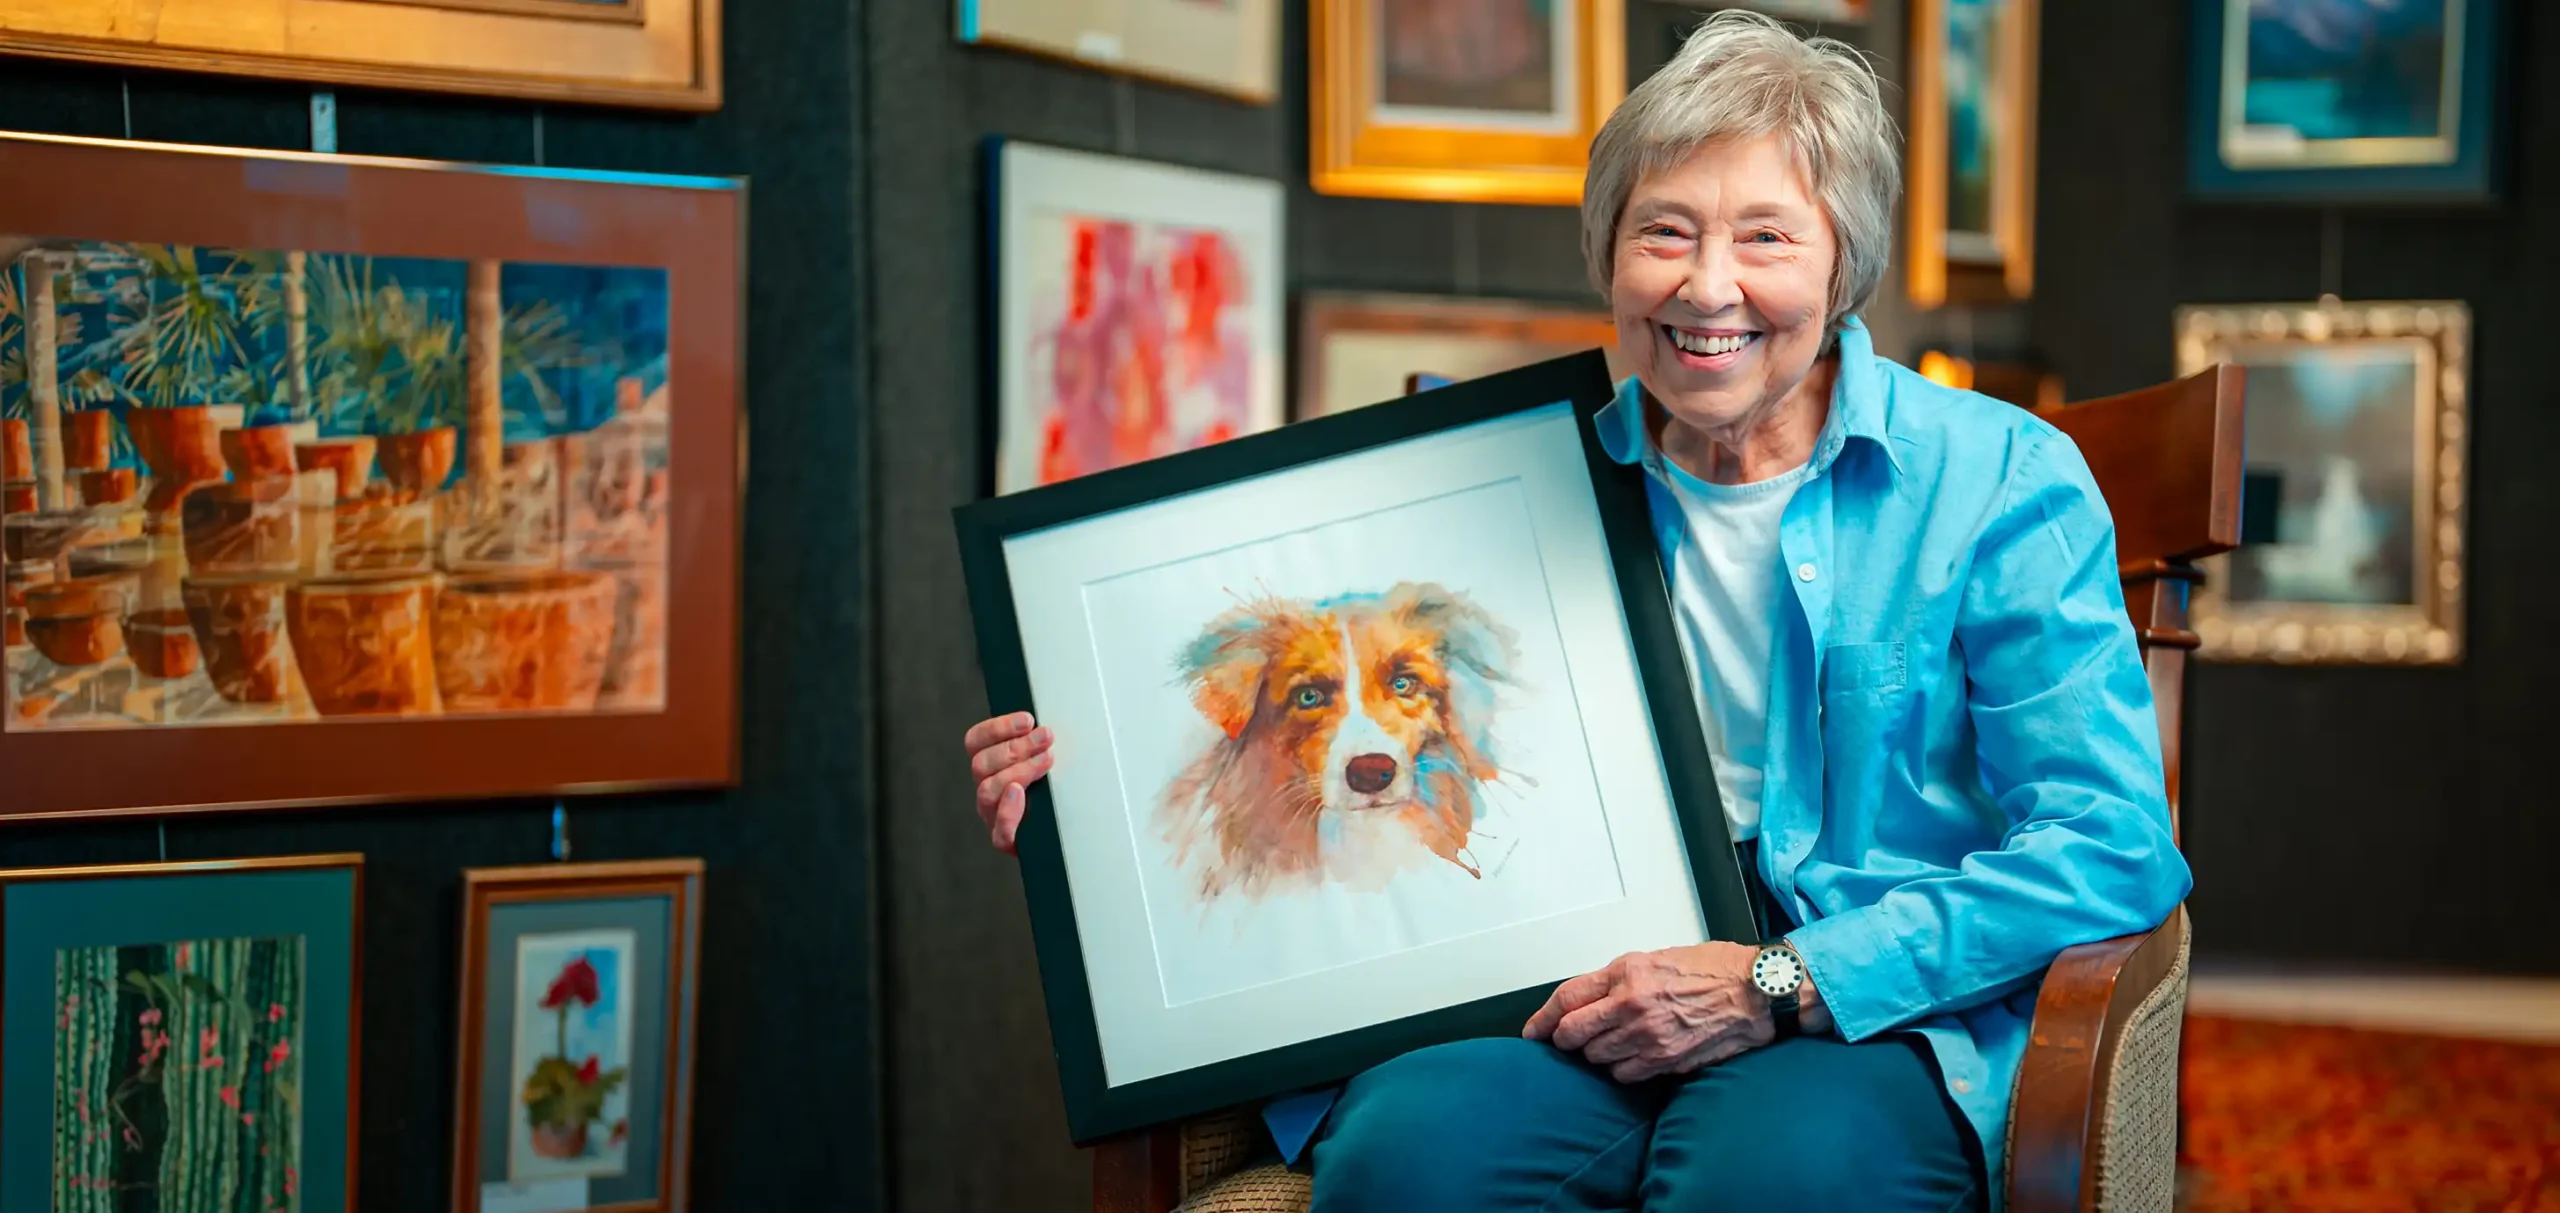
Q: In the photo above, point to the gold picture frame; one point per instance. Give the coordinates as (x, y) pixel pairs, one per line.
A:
(2357, 428)
(547, 898)
(1358, 349)
(1971, 237)
(660, 54)
(1460, 130)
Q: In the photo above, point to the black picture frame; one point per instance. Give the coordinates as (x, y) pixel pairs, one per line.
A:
(1094, 1110)
(2473, 178)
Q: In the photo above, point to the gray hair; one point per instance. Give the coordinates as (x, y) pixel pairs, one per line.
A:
(1742, 75)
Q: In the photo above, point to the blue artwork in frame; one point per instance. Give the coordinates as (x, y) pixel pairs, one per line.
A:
(2344, 101)
(181, 1035)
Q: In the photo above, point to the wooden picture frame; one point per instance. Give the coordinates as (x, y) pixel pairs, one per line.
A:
(1225, 50)
(1971, 226)
(2358, 442)
(1461, 131)
(111, 973)
(2334, 125)
(1357, 349)
(1475, 511)
(546, 911)
(230, 609)
(661, 54)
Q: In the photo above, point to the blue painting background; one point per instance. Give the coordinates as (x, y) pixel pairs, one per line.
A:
(2347, 69)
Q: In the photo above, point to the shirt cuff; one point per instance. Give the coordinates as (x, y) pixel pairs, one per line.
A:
(1860, 968)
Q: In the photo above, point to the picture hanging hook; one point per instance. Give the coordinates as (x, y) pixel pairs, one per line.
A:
(560, 830)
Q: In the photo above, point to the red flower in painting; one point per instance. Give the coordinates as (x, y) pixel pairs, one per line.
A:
(275, 1012)
(587, 1073)
(276, 1055)
(230, 1096)
(621, 1131)
(577, 980)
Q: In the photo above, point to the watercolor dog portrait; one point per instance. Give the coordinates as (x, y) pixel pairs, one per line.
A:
(1140, 312)
(572, 1055)
(177, 1077)
(286, 487)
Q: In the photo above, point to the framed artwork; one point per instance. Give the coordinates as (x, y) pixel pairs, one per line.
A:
(2020, 383)
(181, 1035)
(1461, 100)
(575, 1083)
(655, 53)
(1358, 349)
(1371, 730)
(1138, 310)
(362, 480)
(1221, 46)
(1805, 10)
(1972, 151)
(2312, 101)
(2356, 452)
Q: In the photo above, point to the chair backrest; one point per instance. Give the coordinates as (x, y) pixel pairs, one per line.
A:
(2167, 460)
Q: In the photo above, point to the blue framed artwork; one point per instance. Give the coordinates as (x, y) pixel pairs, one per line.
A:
(2341, 101)
(181, 1035)
(575, 1083)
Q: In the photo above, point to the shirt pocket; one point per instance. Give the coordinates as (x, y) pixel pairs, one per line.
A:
(1874, 669)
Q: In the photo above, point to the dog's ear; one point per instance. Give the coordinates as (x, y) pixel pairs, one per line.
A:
(1472, 641)
(1223, 667)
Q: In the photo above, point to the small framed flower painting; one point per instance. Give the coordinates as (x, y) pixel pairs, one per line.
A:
(181, 1035)
(575, 1083)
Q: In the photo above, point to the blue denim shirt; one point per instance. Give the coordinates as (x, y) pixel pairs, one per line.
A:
(1964, 773)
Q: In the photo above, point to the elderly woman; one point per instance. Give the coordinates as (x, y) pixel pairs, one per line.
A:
(1927, 713)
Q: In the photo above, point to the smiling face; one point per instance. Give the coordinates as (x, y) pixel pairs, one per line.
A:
(1721, 282)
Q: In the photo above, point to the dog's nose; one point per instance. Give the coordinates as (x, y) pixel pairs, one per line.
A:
(1369, 773)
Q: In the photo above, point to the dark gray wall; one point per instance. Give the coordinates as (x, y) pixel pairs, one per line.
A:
(2337, 815)
(787, 1108)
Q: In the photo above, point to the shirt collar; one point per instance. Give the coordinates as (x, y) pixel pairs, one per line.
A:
(1857, 409)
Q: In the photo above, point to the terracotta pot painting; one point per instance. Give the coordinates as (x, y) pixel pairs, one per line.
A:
(391, 519)
(520, 643)
(362, 644)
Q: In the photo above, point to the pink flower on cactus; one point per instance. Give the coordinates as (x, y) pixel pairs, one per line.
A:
(211, 1041)
(250, 1119)
(132, 1138)
(577, 981)
(149, 1018)
(275, 1012)
(186, 956)
(276, 1055)
(291, 1180)
(230, 1096)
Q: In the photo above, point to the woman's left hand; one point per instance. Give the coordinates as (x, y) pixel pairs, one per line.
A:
(1655, 1013)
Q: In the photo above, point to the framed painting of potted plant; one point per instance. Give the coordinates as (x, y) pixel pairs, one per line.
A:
(181, 1035)
(385, 510)
(654, 53)
(575, 1085)
(1401, 108)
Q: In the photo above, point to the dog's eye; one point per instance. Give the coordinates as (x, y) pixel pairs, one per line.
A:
(1404, 684)
(1310, 697)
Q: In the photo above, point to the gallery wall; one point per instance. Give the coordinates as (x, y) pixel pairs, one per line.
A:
(2337, 815)
(787, 1064)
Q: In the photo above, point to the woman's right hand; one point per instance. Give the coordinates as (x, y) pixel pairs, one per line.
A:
(1005, 754)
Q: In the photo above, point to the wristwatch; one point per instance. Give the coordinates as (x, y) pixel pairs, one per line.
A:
(1779, 973)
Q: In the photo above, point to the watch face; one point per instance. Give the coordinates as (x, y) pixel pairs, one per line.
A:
(1777, 972)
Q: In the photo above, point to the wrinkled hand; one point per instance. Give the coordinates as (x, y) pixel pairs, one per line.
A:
(1005, 754)
(1655, 1013)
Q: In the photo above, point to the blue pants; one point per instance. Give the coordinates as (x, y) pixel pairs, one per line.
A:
(1813, 1125)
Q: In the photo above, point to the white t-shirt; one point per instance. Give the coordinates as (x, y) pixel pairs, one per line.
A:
(1727, 592)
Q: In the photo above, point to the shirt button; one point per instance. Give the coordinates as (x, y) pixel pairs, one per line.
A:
(1962, 1086)
(1804, 572)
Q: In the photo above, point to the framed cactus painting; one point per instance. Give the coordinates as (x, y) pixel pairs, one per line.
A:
(321, 487)
(180, 1037)
(577, 1037)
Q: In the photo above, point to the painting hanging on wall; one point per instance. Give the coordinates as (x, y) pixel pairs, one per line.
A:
(180, 1036)
(1359, 349)
(427, 473)
(655, 53)
(1138, 310)
(1461, 100)
(1817, 11)
(2356, 431)
(1972, 152)
(1381, 734)
(1230, 47)
(2315, 101)
(575, 1086)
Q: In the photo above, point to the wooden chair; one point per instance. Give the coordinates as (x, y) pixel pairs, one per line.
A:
(2094, 1121)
